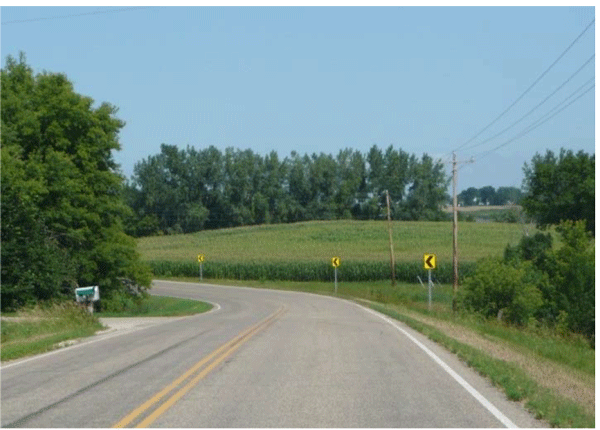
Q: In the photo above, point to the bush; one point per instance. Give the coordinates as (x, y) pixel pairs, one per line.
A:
(501, 290)
(530, 248)
(121, 301)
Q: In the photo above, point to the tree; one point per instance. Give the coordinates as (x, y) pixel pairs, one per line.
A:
(572, 274)
(560, 189)
(565, 275)
(62, 200)
(469, 197)
(487, 195)
(351, 182)
(427, 193)
(507, 195)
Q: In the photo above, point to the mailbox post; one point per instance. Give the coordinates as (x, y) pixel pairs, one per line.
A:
(87, 296)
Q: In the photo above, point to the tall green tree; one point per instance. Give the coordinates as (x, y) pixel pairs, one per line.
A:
(506, 195)
(487, 195)
(560, 188)
(427, 193)
(61, 191)
(469, 197)
(351, 182)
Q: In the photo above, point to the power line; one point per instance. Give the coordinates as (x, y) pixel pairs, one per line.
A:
(537, 106)
(547, 117)
(530, 87)
(74, 15)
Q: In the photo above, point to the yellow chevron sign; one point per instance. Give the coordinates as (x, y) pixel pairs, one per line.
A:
(429, 261)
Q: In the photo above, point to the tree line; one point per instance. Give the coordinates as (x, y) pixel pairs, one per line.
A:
(488, 195)
(186, 190)
(66, 209)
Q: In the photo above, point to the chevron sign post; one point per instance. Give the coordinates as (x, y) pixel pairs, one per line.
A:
(429, 263)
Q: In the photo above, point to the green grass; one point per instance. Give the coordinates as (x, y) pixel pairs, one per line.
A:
(573, 351)
(358, 241)
(559, 412)
(41, 329)
(158, 306)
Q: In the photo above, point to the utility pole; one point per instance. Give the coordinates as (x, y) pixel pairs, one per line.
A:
(454, 235)
(389, 217)
(455, 231)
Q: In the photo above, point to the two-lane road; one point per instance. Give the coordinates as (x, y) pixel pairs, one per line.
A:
(261, 358)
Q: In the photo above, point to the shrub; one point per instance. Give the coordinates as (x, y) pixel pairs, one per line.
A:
(530, 248)
(121, 301)
(497, 289)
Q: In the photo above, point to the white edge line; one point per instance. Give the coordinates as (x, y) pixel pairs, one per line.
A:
(101, 336)
(468, 387)
(486, 403)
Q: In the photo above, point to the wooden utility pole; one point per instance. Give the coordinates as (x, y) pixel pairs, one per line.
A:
(455, 232)
(389, 217)
(454, 235)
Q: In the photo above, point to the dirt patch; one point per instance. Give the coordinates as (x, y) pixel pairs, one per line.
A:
(567, 383)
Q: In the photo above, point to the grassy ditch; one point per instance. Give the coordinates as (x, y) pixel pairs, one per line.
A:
(517, 385)
(44, 328)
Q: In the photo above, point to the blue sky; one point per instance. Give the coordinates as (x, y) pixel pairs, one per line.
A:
(321, 79)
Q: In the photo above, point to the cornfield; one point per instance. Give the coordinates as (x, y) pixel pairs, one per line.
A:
(307, 271)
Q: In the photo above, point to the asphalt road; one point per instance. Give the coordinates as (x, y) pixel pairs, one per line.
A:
(260, 358)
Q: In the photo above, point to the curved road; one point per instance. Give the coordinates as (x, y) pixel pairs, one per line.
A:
(261, 358)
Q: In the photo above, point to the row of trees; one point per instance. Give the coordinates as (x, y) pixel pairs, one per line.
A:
(189, 190)
(489, 196)
(62, 205)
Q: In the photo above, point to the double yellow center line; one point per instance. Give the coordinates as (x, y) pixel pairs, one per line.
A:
(196, 373)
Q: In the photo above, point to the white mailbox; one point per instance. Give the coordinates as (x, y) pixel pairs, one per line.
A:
(87, 294)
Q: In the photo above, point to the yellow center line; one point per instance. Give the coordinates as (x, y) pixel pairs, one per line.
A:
(233, 344)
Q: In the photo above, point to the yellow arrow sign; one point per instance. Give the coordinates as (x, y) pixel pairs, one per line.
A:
(429, 261)
(335, 261)
(200, 258)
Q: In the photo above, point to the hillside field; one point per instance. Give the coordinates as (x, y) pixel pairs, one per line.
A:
(352, 241)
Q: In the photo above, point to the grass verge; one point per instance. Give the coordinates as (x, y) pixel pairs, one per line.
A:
(159, 306)
(42, 329)
(517, 385)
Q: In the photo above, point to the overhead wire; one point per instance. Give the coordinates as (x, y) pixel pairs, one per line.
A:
(535, 107)
(543, 119)
(528, 89)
